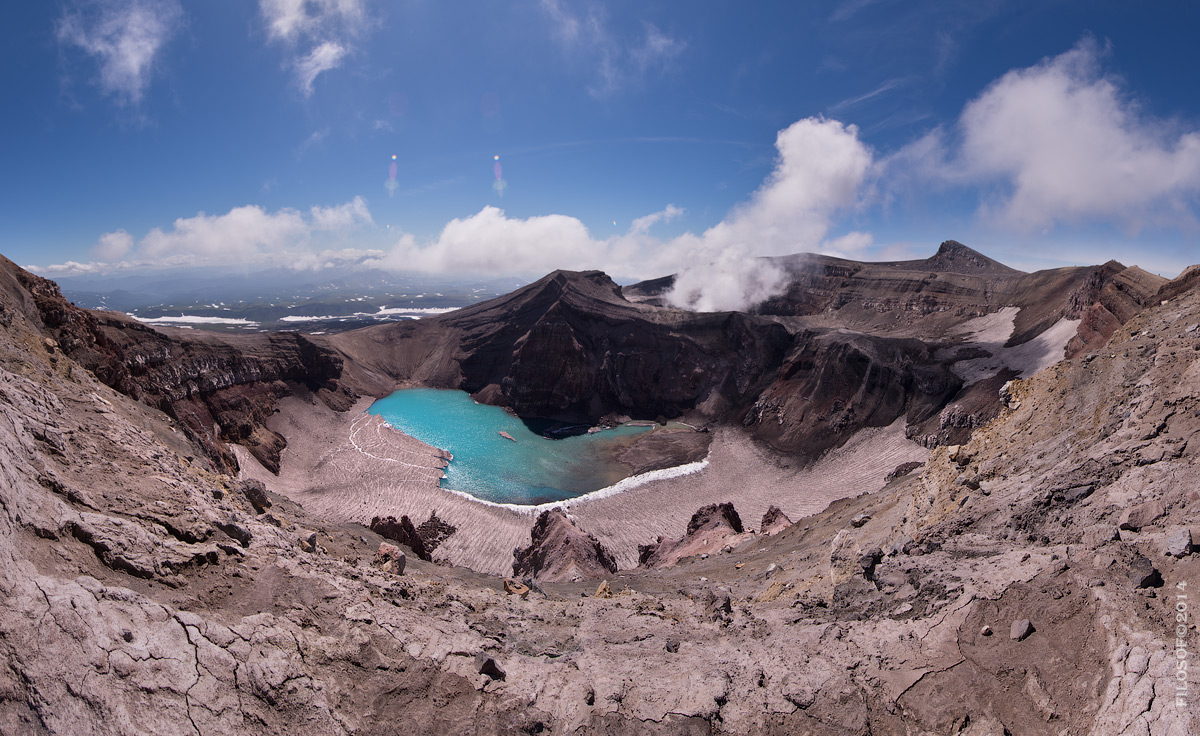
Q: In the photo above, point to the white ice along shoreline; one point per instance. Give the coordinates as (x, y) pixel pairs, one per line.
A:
(412, 312)
(186, 320)
(620, 486)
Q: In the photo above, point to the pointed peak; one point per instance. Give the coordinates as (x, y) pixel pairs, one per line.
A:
(573, 288)
(953, 247)
(954, 257)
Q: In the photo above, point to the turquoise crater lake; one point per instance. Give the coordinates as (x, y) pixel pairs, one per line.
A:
(528, 469)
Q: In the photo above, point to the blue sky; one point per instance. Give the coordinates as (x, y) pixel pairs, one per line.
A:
(638, 137)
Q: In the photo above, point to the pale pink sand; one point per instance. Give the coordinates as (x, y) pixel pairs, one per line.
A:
(350, 467)
(741, 471)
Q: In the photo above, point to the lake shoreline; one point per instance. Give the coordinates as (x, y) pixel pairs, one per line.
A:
(398, 475)
(503, 459)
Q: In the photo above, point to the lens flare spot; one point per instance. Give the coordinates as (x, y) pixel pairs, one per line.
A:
(390, 185)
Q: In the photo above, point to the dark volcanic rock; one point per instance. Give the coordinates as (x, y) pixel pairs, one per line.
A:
(715, 516)
(561, 551)
(1143, 574)
(256, 493)
(902, 470)
(401, 531)
(832, 384)
(433, 531)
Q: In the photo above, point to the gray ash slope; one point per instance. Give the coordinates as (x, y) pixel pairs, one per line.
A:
(144, 592)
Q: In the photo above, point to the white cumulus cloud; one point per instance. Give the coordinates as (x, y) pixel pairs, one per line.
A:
(491, 242)
(113, 246)
(246, 235)
(819, 169)
(354, 212)
(1061, 142)
(125, 39)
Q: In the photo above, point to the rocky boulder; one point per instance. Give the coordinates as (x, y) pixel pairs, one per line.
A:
(389, 558)
(1178, 542)
(1141, 515)
(1143, 574)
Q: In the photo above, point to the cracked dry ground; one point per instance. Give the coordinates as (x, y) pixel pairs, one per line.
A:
(143, 593)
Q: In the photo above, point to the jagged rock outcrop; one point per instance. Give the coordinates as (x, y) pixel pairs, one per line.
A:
(773, 522)
(433, 531)
(401, 531)
(710, 530)
(560, 550)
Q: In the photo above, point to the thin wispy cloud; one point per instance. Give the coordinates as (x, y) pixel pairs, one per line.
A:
(318, 34)
(882, 89)
(323, 58)
(313, 139)
(125, 40)
(847, 9)
(618, 63)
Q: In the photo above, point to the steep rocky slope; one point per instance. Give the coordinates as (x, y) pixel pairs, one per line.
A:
(1024, 582)
(220, 389)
